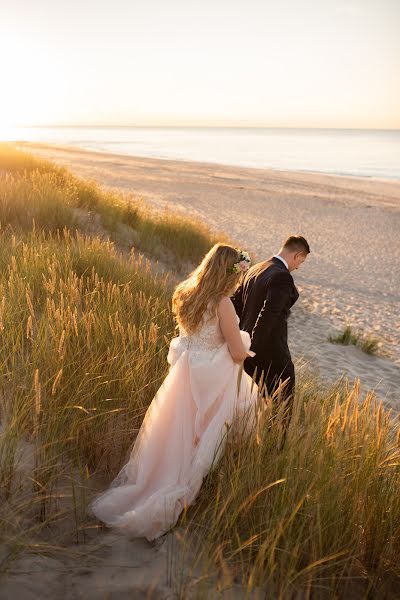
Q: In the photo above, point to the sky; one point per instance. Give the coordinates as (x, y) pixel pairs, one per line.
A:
(286, 63)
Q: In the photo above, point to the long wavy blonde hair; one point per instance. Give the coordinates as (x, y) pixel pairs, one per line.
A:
(207, 284)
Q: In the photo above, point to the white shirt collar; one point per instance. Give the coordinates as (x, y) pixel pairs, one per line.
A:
(283, 260)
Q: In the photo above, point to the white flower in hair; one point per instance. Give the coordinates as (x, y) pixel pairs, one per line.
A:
(243, 264)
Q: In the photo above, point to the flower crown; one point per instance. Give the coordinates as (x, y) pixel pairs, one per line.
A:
(242, 265)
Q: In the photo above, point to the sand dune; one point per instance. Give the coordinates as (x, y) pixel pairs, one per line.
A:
(352, 225)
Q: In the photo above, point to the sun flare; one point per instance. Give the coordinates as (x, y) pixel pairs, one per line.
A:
(27, 96)
(8, 132)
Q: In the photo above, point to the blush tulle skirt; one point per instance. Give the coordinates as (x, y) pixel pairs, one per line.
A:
(181, 439)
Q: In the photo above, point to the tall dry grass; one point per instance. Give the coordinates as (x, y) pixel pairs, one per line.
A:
(319, 517)
(84, 333)
(40, 191)
(82, 352)
(84, 325)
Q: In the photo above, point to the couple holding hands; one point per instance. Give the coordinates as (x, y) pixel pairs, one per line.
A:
(229, 315)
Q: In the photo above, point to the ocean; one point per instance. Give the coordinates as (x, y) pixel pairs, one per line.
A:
(362, 153)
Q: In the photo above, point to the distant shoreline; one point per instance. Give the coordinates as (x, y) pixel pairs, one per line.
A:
(69, 148)
(383, 191)
(366, 153)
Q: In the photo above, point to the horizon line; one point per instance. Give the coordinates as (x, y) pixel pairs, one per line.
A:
(165, 126)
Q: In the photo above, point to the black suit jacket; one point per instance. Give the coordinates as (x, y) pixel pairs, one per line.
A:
(263, 306)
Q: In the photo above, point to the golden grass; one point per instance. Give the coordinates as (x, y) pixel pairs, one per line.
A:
(84, 331)
(40, 192)
(82, 351)
(84, 335)
(321, 515)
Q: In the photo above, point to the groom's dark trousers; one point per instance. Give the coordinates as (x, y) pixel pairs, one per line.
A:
(263, 305)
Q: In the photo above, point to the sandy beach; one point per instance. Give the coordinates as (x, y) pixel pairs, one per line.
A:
(352, 225)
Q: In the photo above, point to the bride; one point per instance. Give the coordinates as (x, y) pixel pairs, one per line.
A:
(205, 392)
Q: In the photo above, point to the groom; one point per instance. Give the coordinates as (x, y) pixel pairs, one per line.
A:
(263, 303)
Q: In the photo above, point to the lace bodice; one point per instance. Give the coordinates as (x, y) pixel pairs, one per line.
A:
(207, 337)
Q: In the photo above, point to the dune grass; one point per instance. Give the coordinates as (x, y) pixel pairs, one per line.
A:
(84, 335)
(40, 192)
(320, 516)
(84, 325)
(367, 343)
(82, 351)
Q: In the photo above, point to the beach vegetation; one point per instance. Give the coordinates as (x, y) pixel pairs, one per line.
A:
(39, 193)
(367, 343)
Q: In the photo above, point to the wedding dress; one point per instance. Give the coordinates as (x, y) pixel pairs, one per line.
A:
(183, 434)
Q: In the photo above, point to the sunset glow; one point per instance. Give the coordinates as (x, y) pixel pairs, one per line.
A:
(331, 64)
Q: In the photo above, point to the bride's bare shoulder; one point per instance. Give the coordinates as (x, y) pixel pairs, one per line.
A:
(225, 305)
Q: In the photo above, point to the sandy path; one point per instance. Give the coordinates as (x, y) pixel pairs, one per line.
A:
(352, 225)
(113, 567)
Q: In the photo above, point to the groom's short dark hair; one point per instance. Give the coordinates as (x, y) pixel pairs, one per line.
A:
(297, 243)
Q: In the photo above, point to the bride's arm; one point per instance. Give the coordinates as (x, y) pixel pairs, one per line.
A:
(230, 329)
